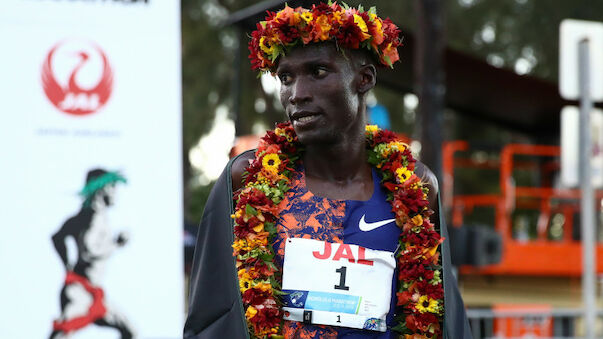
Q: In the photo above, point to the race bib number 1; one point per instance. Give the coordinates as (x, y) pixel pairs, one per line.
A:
(337, 284)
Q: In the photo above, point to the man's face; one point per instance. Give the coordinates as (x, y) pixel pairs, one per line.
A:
(318, 93)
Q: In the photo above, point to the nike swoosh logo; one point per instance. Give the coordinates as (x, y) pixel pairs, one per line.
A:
(369, 226)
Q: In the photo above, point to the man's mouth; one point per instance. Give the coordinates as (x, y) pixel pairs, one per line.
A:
(302, 118)
(306, 118)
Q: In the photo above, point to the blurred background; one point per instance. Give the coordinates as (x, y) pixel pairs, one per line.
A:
(478, 77)
(476, 94)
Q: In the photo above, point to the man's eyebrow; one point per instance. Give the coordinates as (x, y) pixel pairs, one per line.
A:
(310, 62)
(318, 61)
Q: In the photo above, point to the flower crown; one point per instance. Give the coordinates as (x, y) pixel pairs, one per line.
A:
(348, 27)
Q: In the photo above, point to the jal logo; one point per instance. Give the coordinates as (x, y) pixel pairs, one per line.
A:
(77, 77)
(337, 252)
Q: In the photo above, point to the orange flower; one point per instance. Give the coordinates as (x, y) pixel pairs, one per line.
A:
(376, 30)
(390, 55)
(322, 28)
(415, 336)
(289, 15)
(417, 220)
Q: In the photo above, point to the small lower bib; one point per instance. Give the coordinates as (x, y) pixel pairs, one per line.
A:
(337, 284)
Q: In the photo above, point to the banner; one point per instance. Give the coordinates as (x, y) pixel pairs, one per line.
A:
(90, 170)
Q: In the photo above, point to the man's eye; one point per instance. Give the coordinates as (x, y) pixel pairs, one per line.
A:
(284, 78)
(320, 72)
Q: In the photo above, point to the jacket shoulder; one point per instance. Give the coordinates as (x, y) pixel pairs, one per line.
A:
(237, 167)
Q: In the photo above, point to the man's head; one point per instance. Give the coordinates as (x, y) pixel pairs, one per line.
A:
(323, 91)
(325, 58)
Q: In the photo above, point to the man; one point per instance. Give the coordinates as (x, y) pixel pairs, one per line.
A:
(326, 243)
(82, 298)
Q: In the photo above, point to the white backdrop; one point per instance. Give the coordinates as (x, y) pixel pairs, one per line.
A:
(45, 154)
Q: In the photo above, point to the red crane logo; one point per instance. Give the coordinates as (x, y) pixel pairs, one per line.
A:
(72, 98)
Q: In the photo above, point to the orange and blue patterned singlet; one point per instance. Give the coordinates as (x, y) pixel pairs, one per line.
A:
(304, 215)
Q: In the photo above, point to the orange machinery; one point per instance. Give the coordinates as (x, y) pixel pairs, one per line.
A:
(539, 256)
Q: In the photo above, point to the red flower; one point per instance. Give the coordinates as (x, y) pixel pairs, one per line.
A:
(350, 35)
(255, 296)
(421, 321)
(322, 9)
(265, 319)
(410, 271)
(384, 136)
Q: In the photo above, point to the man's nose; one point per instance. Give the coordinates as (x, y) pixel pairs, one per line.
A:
(300, 91)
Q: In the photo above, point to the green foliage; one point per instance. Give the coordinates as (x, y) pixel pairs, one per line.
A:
(522, 28)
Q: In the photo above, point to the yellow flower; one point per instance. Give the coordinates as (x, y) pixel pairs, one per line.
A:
(245, 280)
(432, 251)
(417, 220)
(239, 245)
(337, 16)
(403, 174)
(307, 16)
(397, 145)
(251, 312)
(372, 129)
(359, 21)
(263, 287)
(267, 49)
(256, 242)
(271, 162)
(281, 133)
(377, 31)
(427, 304)
(259, 228)
(394, 146)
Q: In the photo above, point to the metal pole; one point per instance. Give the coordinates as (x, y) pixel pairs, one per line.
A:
(236, 84)
(429, 80)
(587, 200)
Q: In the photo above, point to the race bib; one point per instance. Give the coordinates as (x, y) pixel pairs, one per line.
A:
(337, 284)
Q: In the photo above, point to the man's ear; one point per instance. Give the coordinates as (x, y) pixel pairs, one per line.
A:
(367, 78)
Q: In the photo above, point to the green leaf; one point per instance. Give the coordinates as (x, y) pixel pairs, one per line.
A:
(269, 227)
(373, 158)
(250, 210)
(267, 257)
(388, 61)
(279, 292)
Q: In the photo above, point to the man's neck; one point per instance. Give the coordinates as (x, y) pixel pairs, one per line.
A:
(339, 171)
(340, 162)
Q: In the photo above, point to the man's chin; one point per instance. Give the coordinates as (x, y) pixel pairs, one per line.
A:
(315, 137)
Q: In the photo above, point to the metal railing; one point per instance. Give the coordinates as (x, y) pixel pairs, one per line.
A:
(507, 324)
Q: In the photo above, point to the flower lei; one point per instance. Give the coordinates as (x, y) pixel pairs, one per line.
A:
(420, 295)
(348, 27)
